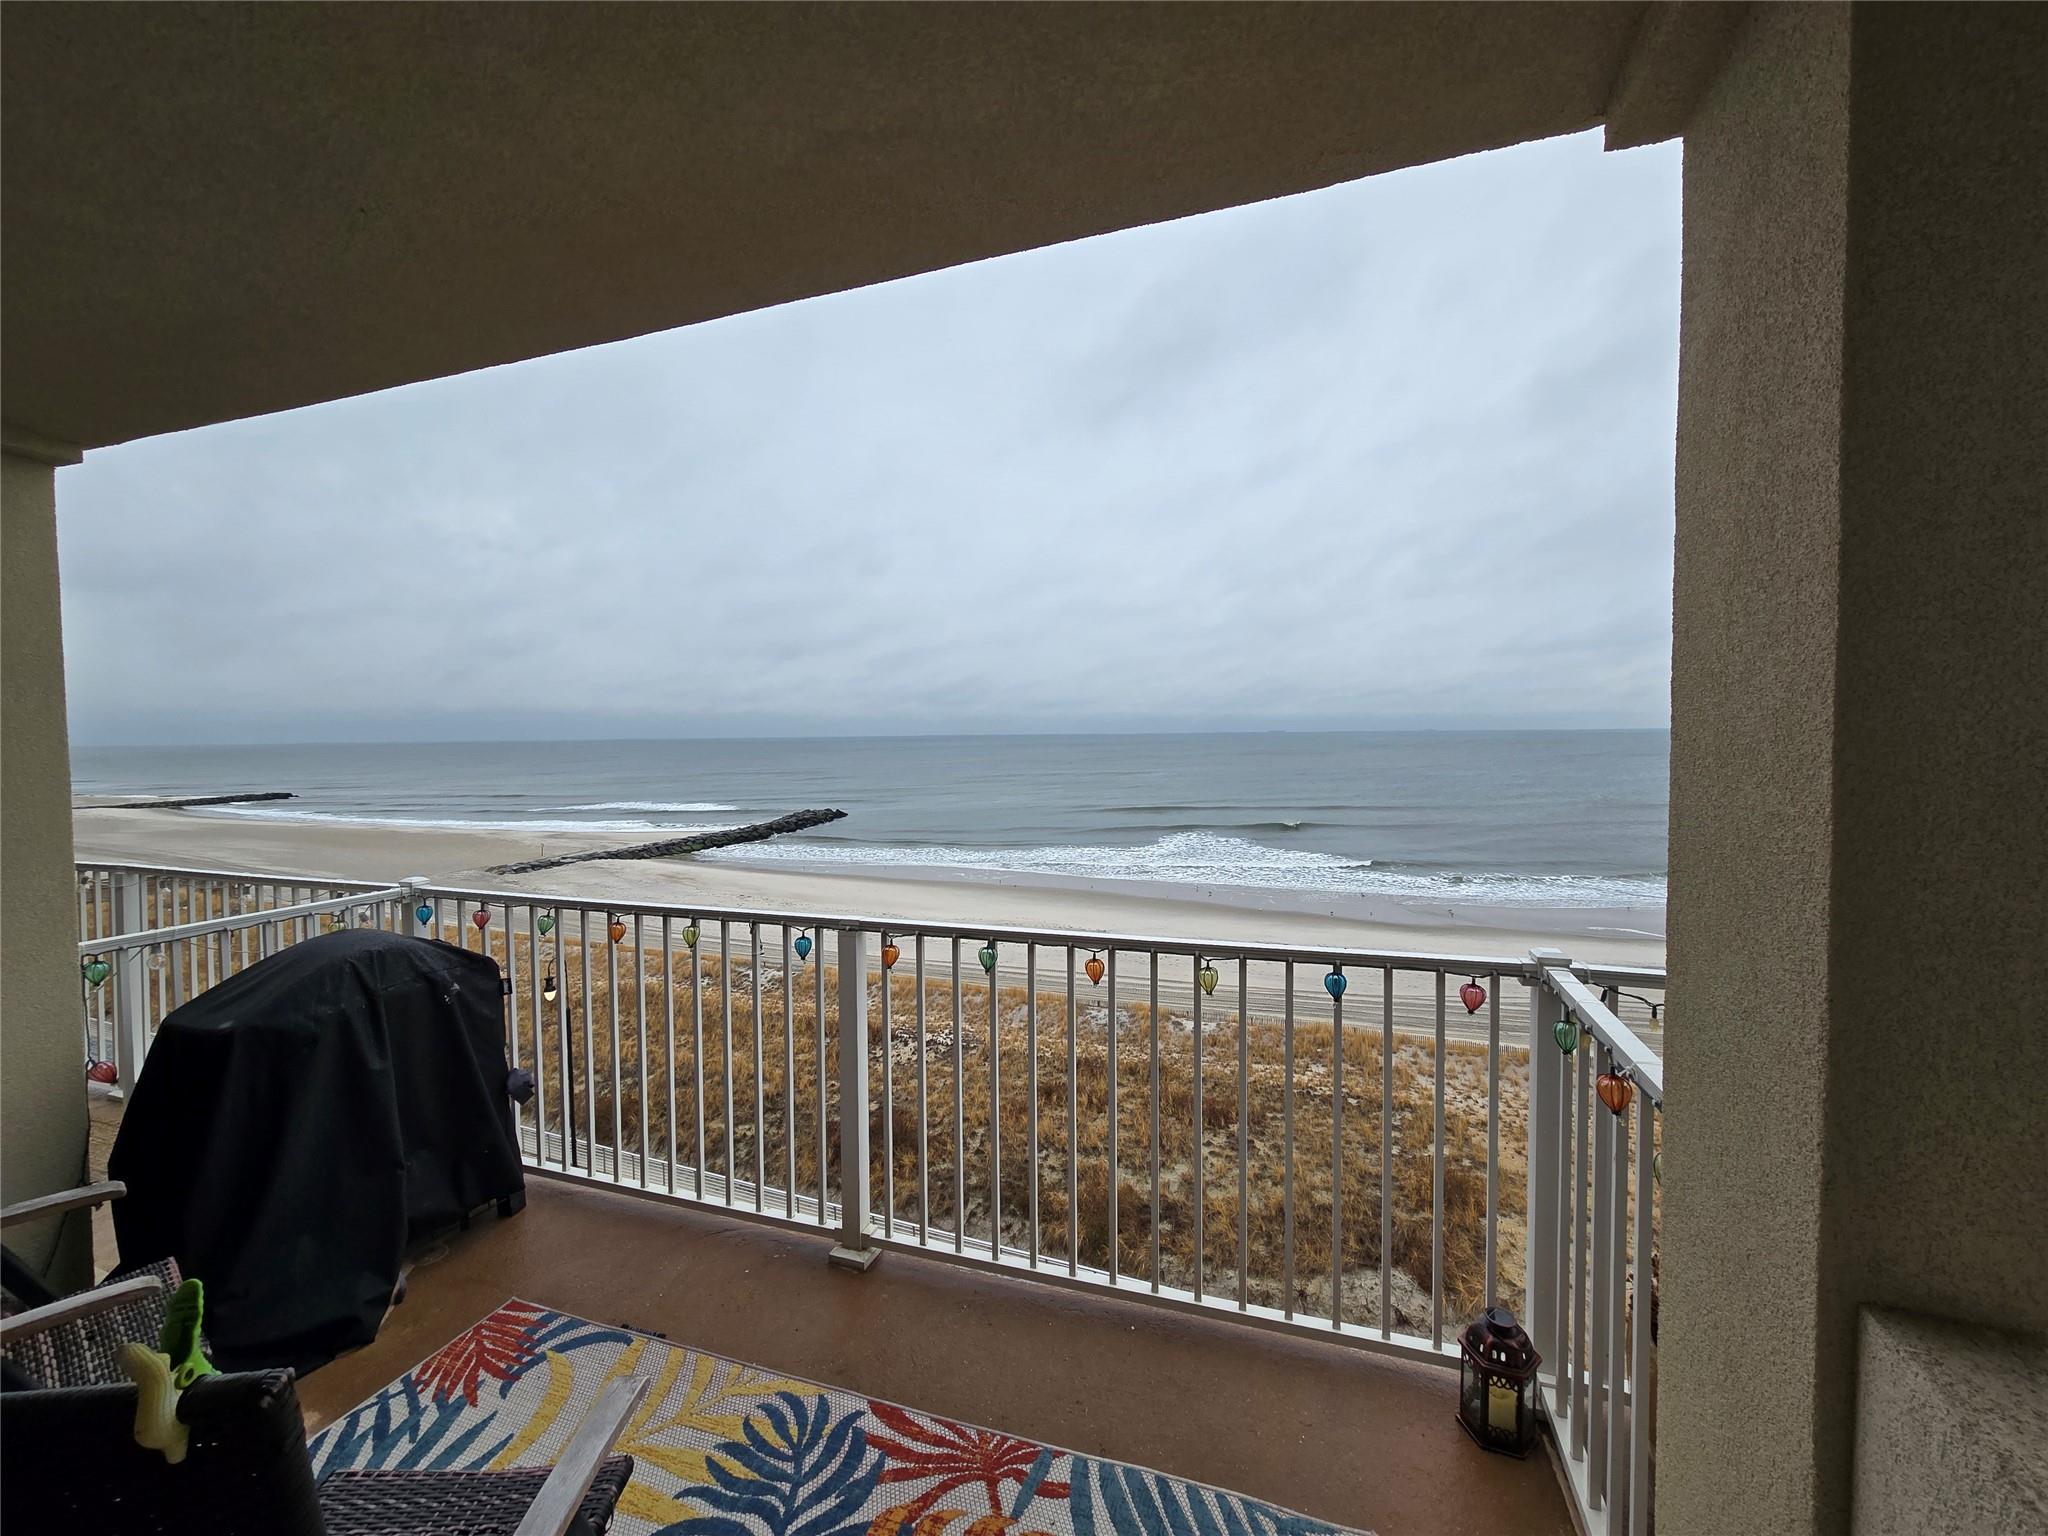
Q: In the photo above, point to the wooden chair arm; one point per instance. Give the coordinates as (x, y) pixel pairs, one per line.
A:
(70, 1309)
(62, 1201)
(576, 1468)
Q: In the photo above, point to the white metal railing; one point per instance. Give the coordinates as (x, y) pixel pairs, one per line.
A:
(1306, 1138)
(1592, 1300)
(151, 937)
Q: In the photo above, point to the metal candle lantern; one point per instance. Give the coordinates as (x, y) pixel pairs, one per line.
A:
(1497, 1389)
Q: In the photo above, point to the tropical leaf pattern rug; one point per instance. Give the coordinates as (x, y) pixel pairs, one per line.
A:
(725, 1449)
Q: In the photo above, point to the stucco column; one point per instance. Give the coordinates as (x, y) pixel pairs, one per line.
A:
(1859, 815)
(42, 1068)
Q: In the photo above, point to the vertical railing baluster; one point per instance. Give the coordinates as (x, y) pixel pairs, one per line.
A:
(1337, 1160)
(1201, 1196)
(184, 978)
(1615, 1279)
(166, 960)
(1073, 1135)
(1244, 1115)
(1114, 1236)
(888, 1094)
(510, 988)
(1492, 1270)
(534, 976)
(589, 1045)
(1576, 1210)
(760, 1071)
(640, 1032)
(511, 983)
(697, 1050)
(1642, 1396)
(995, 1114)
(818, 1045)
(668, 1042)
(959, 1108)
(1602, 1318)
(924, 1183)
(1152, 1037)
(130, 980)
(1436, 1185)
(1541, 1303)
(611, 1009)
(789, 1074)
(1287, 1141)
(565, 1118)
(1031, 1101)
(725, 1064)
(1387, 1153)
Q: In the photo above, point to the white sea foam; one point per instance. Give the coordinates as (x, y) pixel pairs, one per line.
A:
(645, 805)
(459, 823)
(1212, 859)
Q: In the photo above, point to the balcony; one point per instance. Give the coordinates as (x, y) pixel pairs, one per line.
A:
(1230, 1317)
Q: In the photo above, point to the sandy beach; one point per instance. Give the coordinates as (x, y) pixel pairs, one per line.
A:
(190, 839)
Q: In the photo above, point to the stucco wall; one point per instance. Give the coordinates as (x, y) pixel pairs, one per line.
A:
(1939, 1081)
(1859, 800)
(42, 1086)
(1752, 707)
(1951, 1430)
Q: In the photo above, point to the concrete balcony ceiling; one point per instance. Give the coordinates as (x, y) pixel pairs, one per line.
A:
(218, 212)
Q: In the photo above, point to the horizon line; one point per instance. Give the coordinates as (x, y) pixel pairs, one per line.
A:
(514, 741)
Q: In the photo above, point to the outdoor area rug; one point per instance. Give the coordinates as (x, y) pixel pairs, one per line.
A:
(725, 1449)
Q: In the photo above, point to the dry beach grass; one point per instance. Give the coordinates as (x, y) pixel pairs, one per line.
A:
(775, 1059)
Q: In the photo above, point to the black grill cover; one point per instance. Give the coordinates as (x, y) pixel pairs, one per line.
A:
(297, 1127)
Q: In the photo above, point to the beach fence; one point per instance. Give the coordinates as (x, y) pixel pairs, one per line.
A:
(1345, 1144)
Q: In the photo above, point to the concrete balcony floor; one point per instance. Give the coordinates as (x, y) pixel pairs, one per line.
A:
(1351, 1438)
(1342, 1435)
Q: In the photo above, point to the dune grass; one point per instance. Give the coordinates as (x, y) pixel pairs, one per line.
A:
(797, 1088)
(796, 1085)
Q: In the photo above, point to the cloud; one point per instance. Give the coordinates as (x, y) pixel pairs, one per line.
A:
(1394, 453)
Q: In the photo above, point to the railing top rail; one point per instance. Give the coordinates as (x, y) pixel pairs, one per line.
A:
(232, 876)
(145, 938)
(1519, 967)
(1600, 1021)
(1651, 976)
(1214, 948)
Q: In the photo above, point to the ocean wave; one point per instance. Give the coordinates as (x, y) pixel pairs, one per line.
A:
(1240, 805)
(1212, 859)
(1212, 826)
(644, 805)
(454, 823)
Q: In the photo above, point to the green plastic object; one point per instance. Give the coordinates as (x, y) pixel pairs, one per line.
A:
(180, 1337)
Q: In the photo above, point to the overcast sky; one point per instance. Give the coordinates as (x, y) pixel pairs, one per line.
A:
(1398, 454)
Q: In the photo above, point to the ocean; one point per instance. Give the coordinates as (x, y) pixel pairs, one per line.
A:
(1482, 818)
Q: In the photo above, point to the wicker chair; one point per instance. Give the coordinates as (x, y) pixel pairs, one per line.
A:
(69, 1462)
(81, 1350)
